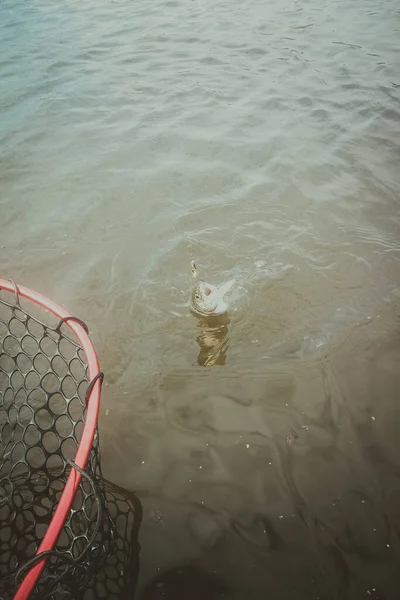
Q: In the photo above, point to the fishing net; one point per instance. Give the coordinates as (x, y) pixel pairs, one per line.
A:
(64, 531)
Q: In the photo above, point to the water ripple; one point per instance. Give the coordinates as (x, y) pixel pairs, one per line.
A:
(262, 139)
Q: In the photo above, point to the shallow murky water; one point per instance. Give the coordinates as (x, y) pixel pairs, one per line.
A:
(261, 138)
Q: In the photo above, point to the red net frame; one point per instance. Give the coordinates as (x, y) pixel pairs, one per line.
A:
(86, 442)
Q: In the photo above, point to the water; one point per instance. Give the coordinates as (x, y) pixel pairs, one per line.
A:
(262, 139)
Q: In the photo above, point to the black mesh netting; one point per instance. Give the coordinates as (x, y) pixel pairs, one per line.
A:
(43, 383)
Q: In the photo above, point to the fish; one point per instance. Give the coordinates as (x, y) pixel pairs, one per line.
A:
(208, 299)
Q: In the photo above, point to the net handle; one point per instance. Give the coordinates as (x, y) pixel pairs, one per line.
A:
(85, 445)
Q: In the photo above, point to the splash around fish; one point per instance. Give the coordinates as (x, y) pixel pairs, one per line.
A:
(207, 299)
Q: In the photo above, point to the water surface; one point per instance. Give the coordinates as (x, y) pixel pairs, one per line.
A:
(261, 138)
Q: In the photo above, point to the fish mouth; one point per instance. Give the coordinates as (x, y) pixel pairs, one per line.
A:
(205, 288)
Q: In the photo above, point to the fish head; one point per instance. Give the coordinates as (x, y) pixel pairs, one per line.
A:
(207, 299)
(204, 300)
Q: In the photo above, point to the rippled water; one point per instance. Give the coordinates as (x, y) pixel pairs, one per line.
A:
(263, 139)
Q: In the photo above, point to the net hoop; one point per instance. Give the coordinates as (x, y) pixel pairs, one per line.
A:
(86, 442)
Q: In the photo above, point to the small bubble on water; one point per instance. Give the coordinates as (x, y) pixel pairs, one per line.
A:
(247, 445)
(260, 264)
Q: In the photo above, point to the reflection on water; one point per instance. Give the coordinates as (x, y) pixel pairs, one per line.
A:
(213, 340)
